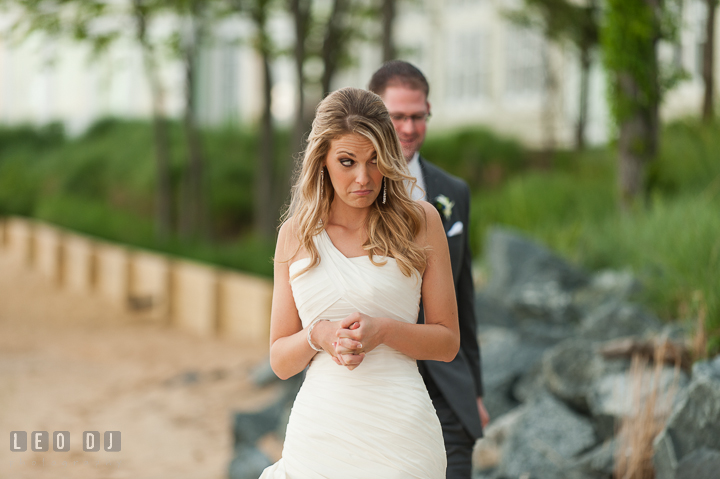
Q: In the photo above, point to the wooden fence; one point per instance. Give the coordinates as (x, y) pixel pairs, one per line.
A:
(194, 297)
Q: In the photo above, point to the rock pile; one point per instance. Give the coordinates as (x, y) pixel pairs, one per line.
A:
(556, 348)
(556, 378)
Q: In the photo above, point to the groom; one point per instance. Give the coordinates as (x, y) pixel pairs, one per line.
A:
(455, 387)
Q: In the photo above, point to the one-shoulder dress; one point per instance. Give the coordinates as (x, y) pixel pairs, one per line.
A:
(376, 421)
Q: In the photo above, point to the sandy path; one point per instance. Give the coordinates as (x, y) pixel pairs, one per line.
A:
(69, 362)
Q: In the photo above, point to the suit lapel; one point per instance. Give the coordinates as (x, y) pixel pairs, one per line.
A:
(436, 185)
(432, 186)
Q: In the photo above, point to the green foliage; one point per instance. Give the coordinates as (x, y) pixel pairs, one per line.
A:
(560, 20)
(110, 223)
(543, 201)
(688, 158)
(629, 35)
(20, 149)
(103, 184)
(673, 246)
(476, 155)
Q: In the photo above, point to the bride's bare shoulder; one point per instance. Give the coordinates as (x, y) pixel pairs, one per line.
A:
(431, 221)
(289, 248)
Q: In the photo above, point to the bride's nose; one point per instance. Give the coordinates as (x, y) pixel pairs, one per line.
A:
(363, 176)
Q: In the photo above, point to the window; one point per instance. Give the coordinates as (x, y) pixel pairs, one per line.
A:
(698, 18)
(467, 73)
(524, 62)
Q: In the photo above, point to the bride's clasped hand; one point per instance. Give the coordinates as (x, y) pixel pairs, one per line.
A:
(348, 340)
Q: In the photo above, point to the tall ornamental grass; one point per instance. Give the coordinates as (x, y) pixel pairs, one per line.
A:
(672, 245)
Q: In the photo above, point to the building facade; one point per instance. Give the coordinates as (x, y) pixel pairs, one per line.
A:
(483, 70)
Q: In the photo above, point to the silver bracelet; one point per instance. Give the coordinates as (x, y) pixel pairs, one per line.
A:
(309, 333)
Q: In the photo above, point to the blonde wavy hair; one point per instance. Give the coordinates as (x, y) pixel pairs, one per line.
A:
(391, 227)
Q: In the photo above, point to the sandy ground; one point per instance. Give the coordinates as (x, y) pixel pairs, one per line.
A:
(72, 362)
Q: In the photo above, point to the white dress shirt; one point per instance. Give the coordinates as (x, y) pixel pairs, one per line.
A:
(417, 193)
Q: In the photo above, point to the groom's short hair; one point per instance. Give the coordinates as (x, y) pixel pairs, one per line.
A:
(398, 73)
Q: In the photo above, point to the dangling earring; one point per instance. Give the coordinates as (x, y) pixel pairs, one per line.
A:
(322, 183)
(384, 190)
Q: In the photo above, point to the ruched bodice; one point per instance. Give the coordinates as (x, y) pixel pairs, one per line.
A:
(339, 285)
(376, 420)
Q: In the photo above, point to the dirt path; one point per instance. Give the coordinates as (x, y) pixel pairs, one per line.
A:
(69, 362)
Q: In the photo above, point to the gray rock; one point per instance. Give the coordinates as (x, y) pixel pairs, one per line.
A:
(548, 334)
(665, 460)
(530, 385)
(612, 394)
(504, 359)
(543, 299)
(696, 421)
(614, 320)
(262, 375)
(490, 312)
(701, 464)
(489, 474)
(545, 440)
(248, 427)
(247, 463)
(707, 370)
(505, 356)
(693, 426)
(515, 260)
(569, 370)
(598, 462)
(604, 286)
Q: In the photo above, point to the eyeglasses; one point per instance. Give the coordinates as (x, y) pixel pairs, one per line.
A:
(416, 119)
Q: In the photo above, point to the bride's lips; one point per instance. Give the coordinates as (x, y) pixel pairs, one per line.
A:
(362, 192)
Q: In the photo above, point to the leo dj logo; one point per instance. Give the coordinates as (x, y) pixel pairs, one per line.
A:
(40, 441)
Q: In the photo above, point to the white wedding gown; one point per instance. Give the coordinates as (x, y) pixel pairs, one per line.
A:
(376, 421)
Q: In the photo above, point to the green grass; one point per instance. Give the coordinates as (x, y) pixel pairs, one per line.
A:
(102, 184)
(672, 245)
(246, 253)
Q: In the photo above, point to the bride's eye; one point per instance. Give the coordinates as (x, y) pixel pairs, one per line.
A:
(346, 162)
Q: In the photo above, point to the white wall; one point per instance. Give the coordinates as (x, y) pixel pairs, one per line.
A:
(481, 71)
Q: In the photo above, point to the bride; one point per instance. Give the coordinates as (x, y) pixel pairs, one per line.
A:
(353, 259)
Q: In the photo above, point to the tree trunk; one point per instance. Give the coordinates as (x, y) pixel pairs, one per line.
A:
(301, 14)
(549, 112)
(333, 43)
(193, 217)
(585, 64)
(636, 93)
(163, 185)
(264, 205)
(638, 141)
(388, 22)
(302, 124)
(708, 112)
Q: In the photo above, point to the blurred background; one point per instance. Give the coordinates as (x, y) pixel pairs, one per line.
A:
(174, 126)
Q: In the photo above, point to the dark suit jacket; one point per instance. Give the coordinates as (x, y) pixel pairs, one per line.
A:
(460, 380)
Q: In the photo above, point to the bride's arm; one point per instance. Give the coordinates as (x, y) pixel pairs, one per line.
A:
(439, 338)
(290, 352)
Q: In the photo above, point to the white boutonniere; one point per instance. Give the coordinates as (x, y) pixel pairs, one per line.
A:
(444, 206)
